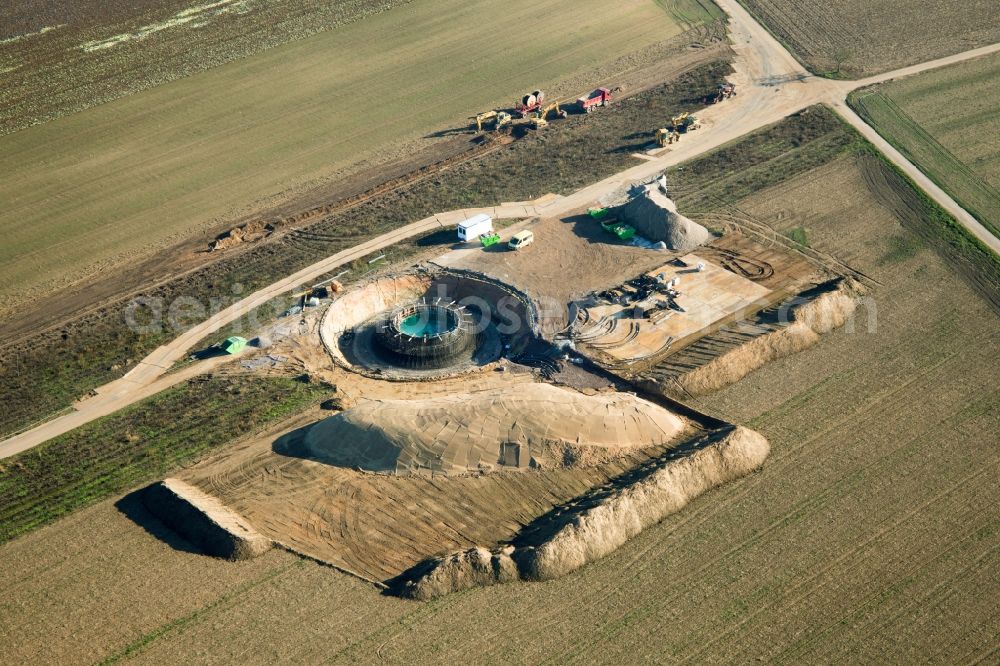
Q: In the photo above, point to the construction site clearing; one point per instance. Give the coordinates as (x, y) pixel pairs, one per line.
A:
(491, 405)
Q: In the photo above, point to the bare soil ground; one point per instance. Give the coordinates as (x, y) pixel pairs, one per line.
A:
(569, 258)
(376, 525)
(854, 38)
(870, 535)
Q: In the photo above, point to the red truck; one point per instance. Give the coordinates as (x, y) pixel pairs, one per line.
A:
(600, 97)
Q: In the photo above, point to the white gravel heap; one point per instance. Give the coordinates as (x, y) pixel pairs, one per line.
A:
(654, 216)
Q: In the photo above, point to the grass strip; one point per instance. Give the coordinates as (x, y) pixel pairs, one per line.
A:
(939, 164)
(139, 444)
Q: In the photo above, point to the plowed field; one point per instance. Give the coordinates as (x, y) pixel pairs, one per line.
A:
(854, 38)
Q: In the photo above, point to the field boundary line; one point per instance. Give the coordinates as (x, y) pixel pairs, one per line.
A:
(921, 138)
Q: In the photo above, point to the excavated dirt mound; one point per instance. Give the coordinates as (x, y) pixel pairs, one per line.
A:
(534, 425)
(598, 530)
(247, 233)
(654, 216)
(204, 520)
(810, 320)
(608, 525)
(475, 567)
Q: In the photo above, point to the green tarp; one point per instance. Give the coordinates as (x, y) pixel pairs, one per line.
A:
(233, 344)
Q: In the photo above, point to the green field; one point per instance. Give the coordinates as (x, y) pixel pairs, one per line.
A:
(947, 122)
(91, 190)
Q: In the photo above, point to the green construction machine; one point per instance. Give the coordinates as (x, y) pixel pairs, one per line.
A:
(233, 345)
(619, 230)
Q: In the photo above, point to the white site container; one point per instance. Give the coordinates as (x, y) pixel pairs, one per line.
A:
(474, 227)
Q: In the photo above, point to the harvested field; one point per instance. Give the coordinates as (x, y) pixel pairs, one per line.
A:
(869, 536)
(946, 122)
(181, 157)
(63, 58)
(49, 367)
(968, 258)
(854, 38)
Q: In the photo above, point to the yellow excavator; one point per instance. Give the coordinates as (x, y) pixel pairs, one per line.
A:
(534, 122)
(540, 118)
(665, 137)
(498, 119)
(544, 112)
(684, 123)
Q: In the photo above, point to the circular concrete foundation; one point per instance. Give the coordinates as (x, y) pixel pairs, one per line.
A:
(426, 334)
(426, 325)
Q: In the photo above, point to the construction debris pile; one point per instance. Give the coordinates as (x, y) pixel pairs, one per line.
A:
(647, 295)
(654, 216)
(518, 427)
(247, 233)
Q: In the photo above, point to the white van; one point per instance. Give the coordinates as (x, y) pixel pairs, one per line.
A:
(474, 227)
(521, 239)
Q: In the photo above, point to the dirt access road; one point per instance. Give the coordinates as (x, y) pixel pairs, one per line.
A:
(771, 85)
